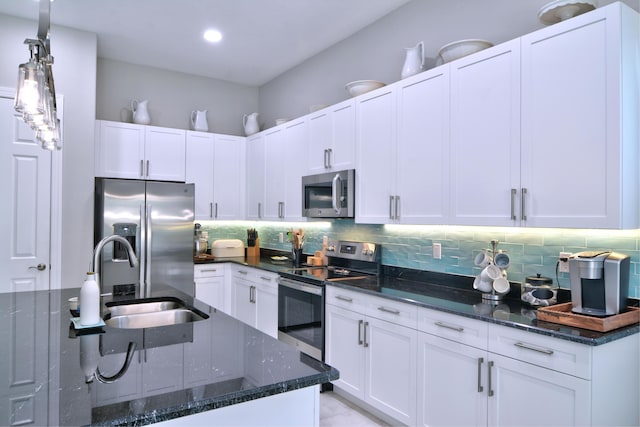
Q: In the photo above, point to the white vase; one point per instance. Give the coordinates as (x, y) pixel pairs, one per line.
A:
(199, 121)
(250, 122)
(414, 60)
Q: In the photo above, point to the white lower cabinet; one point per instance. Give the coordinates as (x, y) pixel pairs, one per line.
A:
(254, 298)
(376, 358)
(211, 285)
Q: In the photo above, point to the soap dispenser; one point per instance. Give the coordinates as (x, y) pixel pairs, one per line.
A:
(89, 301)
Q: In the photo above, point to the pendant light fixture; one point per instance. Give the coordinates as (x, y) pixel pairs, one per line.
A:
(36, 95)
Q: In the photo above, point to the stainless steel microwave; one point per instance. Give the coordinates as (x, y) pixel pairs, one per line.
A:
(329, 195)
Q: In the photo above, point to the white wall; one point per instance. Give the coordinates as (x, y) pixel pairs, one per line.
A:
(172, 96)
(377, 52)
(74, 71)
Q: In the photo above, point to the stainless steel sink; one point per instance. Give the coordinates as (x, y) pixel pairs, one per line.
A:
(150, 313)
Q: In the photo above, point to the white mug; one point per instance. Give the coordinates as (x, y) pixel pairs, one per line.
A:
(501, 286)
(502, 260)
(482, 259)
(482, 285)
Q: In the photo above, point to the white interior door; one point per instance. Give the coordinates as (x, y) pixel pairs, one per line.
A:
(25, 215)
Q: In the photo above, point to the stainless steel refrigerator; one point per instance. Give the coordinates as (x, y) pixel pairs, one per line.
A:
(157, 219)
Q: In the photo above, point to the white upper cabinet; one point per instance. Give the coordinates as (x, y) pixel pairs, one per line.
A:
(216, 164)
(285, 153)
(485, 136)
(332, 139)
(199, 170)
(255, 187)
(124, 150)
(375, 136)
(580, 101)
(229, 177)
(403, 151)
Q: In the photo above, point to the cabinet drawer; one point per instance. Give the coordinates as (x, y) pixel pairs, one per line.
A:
(450, 326)
(552, 353)
(351, 300)
(208, 270)
(392, 311)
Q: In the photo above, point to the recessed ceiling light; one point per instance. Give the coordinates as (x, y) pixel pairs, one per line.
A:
(212, 36)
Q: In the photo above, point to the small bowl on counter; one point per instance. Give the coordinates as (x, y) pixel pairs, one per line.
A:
(360, 87)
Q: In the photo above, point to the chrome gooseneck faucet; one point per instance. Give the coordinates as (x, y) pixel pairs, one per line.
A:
(95, 267)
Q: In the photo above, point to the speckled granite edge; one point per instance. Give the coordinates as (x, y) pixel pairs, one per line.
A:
(208, 404)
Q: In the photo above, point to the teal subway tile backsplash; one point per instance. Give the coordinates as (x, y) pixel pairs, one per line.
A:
(532, 251)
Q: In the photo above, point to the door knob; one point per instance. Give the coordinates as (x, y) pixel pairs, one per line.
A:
(40, 267)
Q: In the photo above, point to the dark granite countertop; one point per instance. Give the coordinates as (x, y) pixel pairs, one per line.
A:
(454, 294)
(176, 370)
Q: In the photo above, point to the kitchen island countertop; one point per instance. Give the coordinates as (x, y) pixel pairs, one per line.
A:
(176, 370)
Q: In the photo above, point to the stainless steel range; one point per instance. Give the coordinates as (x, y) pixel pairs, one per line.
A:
(301, 292)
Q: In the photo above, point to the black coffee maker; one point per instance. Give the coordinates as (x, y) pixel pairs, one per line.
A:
(599, 282)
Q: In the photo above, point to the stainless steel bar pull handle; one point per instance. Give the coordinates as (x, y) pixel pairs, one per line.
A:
(523, 213)
(364, 329)
(480, 362)
(141, 169)
(347, 299)
(360, 331)
(513, 204)
(148, 168)
(389, 310)
(215, 211)
(259, 210)
(490, 391)
(391, 199)
(452, 327)
(210, 209)
(533, 348)
(329, 153)
(397, 210)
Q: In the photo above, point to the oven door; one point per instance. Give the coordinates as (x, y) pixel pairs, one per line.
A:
(301, 316)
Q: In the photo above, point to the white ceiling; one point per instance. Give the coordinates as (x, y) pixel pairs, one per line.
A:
(261, 38)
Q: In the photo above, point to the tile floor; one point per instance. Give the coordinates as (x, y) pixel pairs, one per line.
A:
(335, 411)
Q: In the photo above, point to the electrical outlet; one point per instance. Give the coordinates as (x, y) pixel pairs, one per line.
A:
(325, 240)
(437, 251)
(563, 258)
(281, 237)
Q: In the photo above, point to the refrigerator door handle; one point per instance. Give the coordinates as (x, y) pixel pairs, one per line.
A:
(142, 250)
(147, 276)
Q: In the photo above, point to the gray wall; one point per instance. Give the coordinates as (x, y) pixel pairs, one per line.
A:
(377, 52)
(75, 77)
(172, 96)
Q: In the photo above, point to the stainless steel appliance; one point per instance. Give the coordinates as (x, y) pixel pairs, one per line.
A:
(329, 195)
(301, 292)
(599, 282)
(157, 219)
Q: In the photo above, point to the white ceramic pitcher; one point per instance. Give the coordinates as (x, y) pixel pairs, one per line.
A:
(199, 120)
(140, 112)
(250, 122)
(414, 60)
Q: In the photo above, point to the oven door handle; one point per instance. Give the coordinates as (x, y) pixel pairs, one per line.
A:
(299, 286)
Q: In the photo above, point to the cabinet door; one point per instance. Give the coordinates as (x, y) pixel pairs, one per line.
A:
(157, 361)
(119, 151)
(276, 160)
(228, 177)
(524, 394)
(267, 305)
(164, 154)
(391, 365)
(343, 150)
(422, 165)
(293, 165)
(485, 136)
(199, 170)
(451, 383)
(571, 124)
(255, 177)
(376, 135)
(210, 290)
(344, 348)
(244, 307)
(320, 141)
